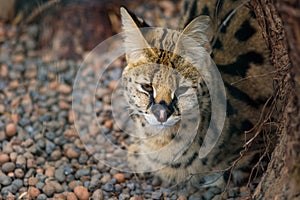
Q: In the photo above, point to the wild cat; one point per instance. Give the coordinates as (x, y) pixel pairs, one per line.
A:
(174, 94)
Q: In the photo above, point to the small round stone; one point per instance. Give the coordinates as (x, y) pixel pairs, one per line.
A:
(31, 163)
(72, 153)
(55, 155)
(11, 129)
(63, 105)
(108, 187)
(50, 171)
(182, 197)
(59, 175)
(2, 109)
(17, 184)
(5, 180)
(8, 167)
(32, 181)
(3, 158)
(15, 118)
(58, 187)
(98, 194)
(2, 136)
(60, 196)
(21, 161)
(82, 172)
(120, 177)
(81, 193)
(49, 189)
(64, 89)
(71, 116)
(74, 184)
(108, 124)
(41, 197)
(33, 192)
(19, 173)
(71, 196)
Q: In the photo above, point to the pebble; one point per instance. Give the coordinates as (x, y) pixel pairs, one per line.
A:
(95, 182)
(72, 153)
(181, 197)
(60, 196)
(74, 184)
(156, 195)
(2, 109)
(49, 189)
(33, 192)
(108, 187)
(83, 158)
(14, 187)
(124, 196)
(120, 177)
(2, 135)
(32, 181)
(72, 196)
(41, 197)
(81, 193)
(45, 118)
(55, 155)
(70, 117)
(67, 169)
(50, 146)
(8, 167)
(11, 129)
(31, 163)
(82, 172)
(63, 105)
(5, 180)
(105, 178)
(64, 89)
(24, 122)
(19, 173)
(50, 135)
(58, 187)
(3, 158)
(98, 194)
(40, 185)
(50, 171)
(60, 175)
(40, 171)
(15, 118)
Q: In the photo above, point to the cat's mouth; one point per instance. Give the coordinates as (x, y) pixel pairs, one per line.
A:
(152, 120)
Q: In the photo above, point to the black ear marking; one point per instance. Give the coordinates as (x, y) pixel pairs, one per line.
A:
(138, 21)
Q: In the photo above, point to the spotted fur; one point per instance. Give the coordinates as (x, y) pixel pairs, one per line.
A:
(169, 96)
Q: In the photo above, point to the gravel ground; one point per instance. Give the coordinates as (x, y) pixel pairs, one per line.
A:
(42, 155)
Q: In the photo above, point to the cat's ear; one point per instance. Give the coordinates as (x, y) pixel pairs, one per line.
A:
(134, 40)
(199, 30)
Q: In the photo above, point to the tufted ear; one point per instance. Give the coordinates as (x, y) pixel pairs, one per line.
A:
(197, 33)
(134, 40)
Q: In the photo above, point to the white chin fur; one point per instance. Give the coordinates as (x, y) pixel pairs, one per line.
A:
(153, 121)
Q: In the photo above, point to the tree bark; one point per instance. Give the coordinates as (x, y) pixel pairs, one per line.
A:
(280, 22)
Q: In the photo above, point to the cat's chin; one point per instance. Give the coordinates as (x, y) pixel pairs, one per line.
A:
(161, 125)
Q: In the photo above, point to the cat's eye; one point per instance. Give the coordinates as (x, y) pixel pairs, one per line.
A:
(181, 90)
(147, 87)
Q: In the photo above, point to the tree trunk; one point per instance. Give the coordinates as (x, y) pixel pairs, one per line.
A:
(282, 34)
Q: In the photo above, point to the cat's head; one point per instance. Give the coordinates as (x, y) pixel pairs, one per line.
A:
(162, 79)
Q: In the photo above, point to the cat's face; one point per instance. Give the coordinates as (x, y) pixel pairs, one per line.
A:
(160, 84)
(159, 93)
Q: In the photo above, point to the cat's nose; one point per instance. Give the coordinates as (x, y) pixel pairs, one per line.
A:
(160, 112)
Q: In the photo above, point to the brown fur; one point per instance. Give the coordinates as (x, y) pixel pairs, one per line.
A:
(168, 62)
